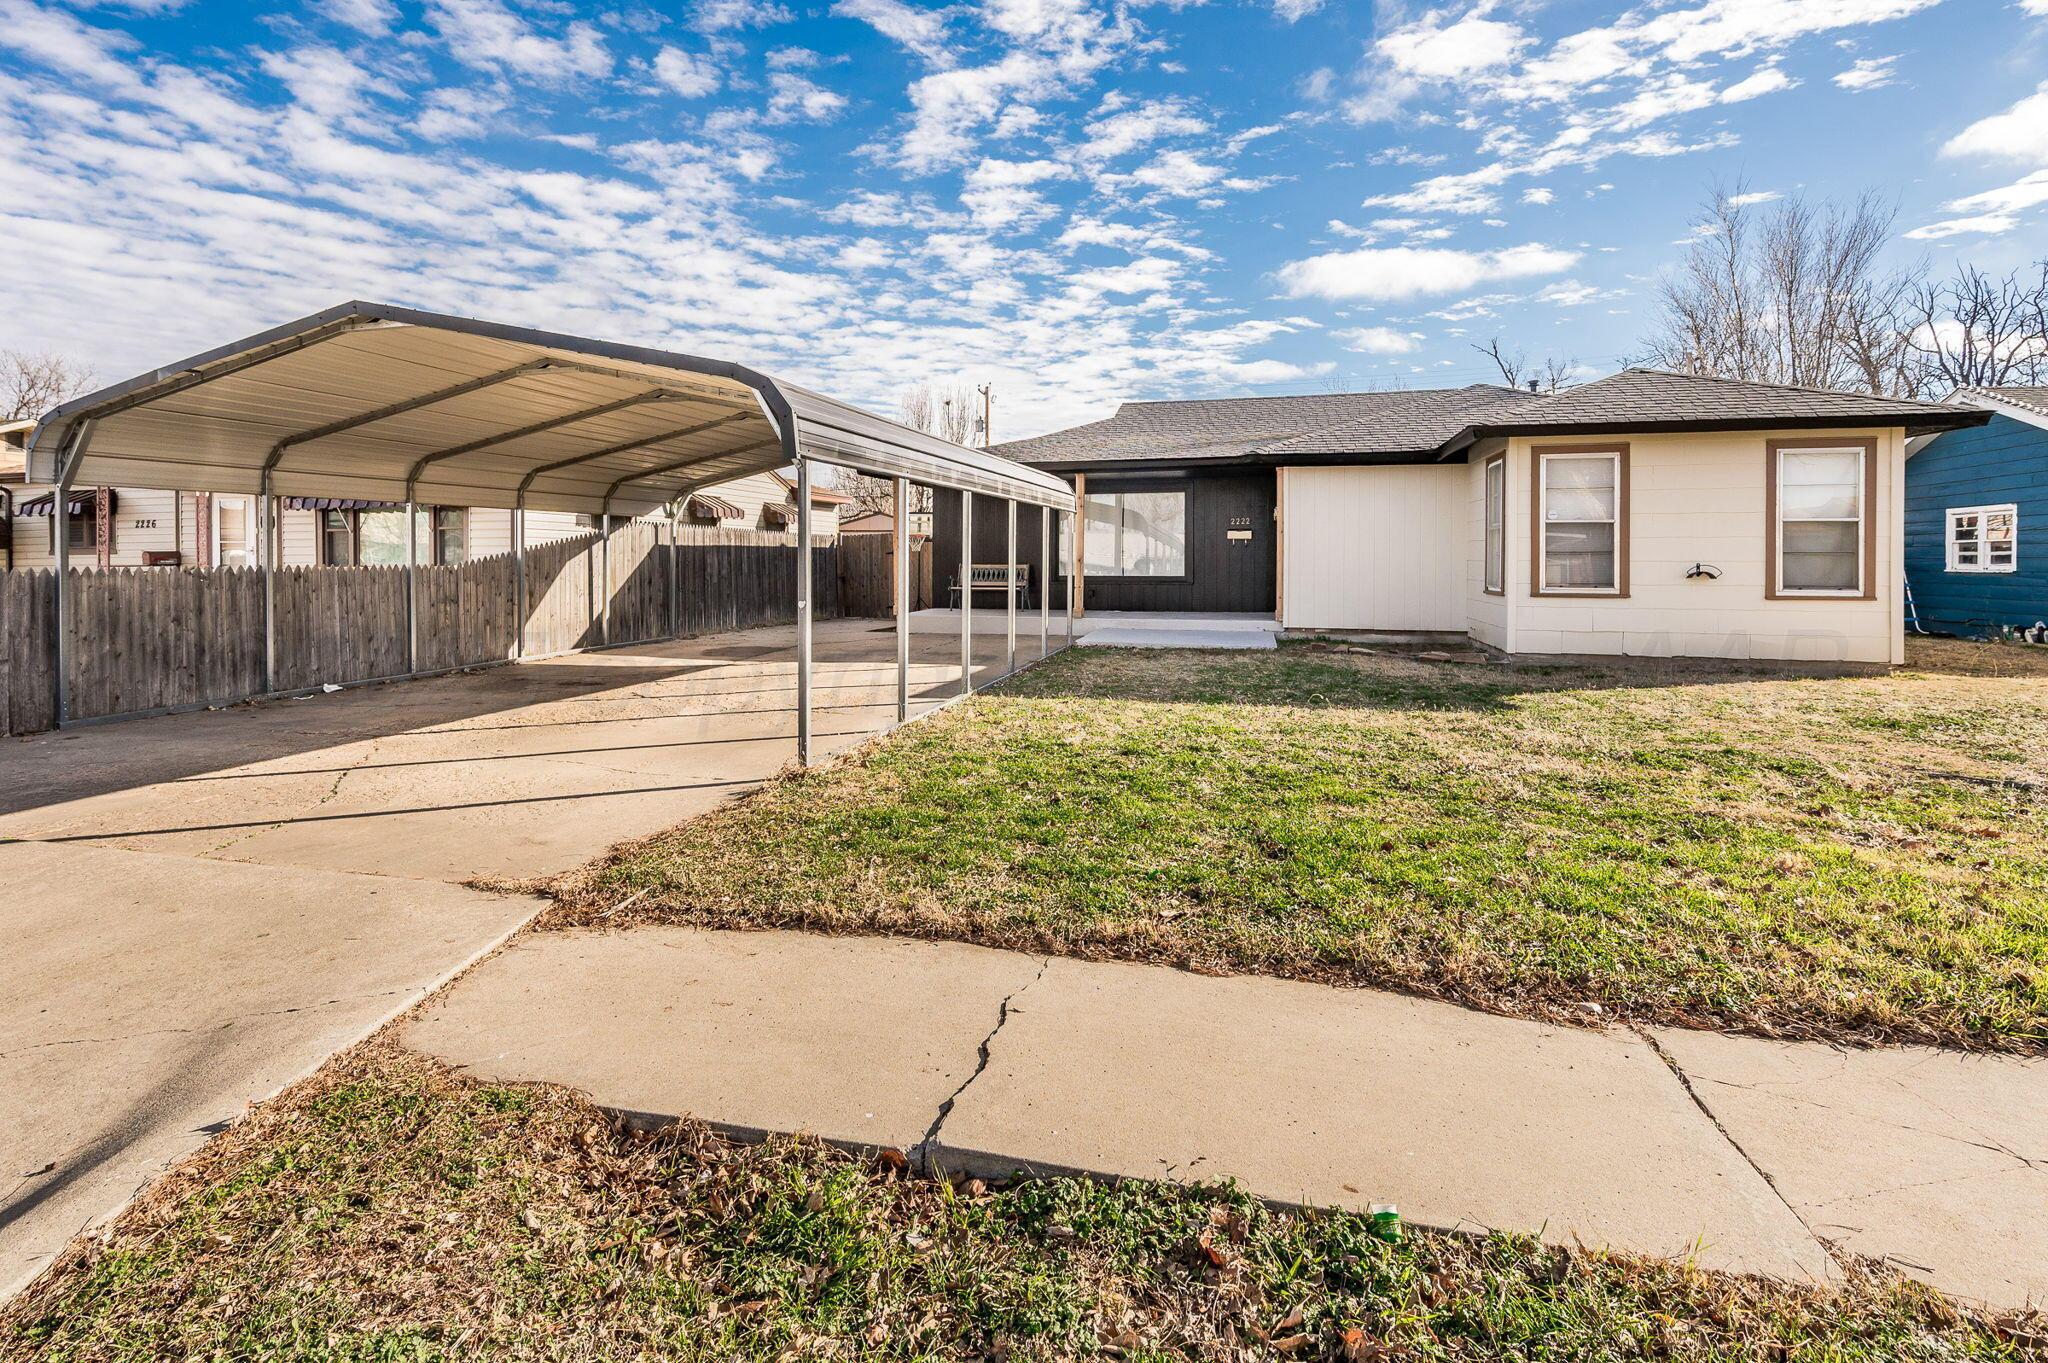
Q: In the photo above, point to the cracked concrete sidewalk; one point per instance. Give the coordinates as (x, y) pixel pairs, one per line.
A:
(1753, 1155)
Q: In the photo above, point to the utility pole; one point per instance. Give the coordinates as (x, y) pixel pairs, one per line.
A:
(987, 391)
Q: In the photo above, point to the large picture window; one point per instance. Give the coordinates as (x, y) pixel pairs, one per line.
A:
(1820, 499)
(1134, 534)
(369, 537)
(1497, 525)
(1984, 539)
(1581, 515)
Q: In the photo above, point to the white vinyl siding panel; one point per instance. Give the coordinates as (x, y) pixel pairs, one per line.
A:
(1377, 548)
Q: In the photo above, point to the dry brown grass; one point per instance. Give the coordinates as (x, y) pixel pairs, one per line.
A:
(389, 1209)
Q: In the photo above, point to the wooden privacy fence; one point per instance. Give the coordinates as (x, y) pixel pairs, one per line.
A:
(148, 639)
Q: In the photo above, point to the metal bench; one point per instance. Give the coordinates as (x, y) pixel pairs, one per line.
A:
(994, 577)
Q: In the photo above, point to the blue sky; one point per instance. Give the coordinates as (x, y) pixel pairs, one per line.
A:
(1080, 200)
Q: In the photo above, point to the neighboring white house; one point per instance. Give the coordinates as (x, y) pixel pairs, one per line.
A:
(1646, 513)
(149, 527)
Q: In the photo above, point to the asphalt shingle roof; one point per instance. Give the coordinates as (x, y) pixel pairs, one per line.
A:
(1232, 428)
(2021, 395)
(1442, 421)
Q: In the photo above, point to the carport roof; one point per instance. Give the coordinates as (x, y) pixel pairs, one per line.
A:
(365, 399)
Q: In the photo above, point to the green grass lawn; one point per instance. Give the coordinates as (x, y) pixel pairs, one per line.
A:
(387, 1210)
(1848, 856)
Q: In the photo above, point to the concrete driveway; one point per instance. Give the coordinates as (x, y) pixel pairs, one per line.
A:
(204, 907)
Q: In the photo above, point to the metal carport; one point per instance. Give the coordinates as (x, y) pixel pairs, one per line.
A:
(372, 401)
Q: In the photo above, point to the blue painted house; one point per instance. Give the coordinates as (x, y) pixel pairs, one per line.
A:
(1977, 518)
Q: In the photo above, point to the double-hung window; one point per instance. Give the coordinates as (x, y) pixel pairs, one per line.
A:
(1497, 525)
(1581, 505)
(1984, 539)
(1134, 534)
(1820, 495)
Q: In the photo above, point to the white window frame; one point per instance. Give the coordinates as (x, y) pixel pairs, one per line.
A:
(1542, 587)
(1494, 518)
(248, 505)
(1861, 520)
(1982, 514)
(1098, 574)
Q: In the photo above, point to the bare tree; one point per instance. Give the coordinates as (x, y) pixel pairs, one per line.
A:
(1794, 294)
(1545, 376)
(947, 413)
(1971, 330)
(31, 384)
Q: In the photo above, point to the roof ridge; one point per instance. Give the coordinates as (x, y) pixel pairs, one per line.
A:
(1755, 383)
(1298, 397)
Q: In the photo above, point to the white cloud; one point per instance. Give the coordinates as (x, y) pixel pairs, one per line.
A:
(1767, 81)
(1754, 196)
(455, 113)
(486, 34)
(374, 17)
(1990, 212)
(999, 194)
(1177, 172)
(1430, 51)
(1293, 11)
(799, 99)
(1988, 224)
(922, 31)
(1377, 340)
(690, 74)
(726, 16)
(1539, 195)
(1388, 274)
(2018, 134)
(1126, 129)
(1869, 73)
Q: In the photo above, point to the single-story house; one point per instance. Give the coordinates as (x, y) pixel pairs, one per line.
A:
(1649, 512)
(152, 527)
(1977, 518)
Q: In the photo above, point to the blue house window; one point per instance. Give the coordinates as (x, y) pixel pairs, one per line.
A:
(1984, 539)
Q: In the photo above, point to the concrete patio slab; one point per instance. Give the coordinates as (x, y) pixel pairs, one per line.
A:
(858, 1040)
(1346, 1097)
(1935, 1160)
(213, 902)
(151, 998)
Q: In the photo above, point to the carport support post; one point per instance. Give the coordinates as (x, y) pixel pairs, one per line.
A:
(1073, 567)
(519, 577)
(675, 575)
(266, 549)
(902, 562)
(803, 612)
(1010, 583)
(1044, 581)
(60, 526)
(604, 563)
(966, 592)
(412, 584)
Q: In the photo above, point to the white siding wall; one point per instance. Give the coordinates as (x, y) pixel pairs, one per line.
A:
(144, 521)
(1699, 498)
(1376, 548)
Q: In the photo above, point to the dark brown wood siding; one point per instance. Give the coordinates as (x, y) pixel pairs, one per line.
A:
(1223, 574)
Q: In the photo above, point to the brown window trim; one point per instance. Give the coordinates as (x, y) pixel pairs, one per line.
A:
(1485, 565)
(1772, 448)
(1622, 514)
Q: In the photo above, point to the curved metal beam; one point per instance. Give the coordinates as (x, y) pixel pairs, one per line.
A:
(621, 448)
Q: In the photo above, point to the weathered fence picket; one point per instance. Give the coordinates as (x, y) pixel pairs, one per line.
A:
(149, 639)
